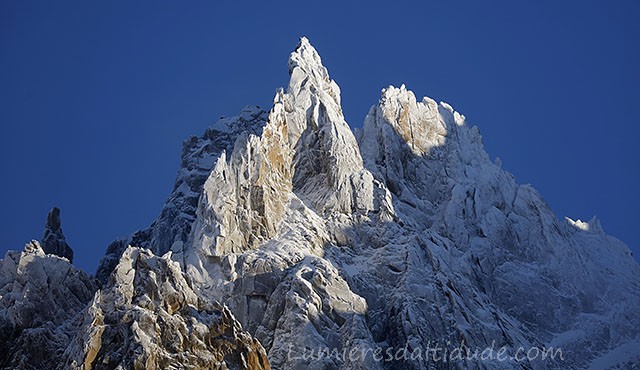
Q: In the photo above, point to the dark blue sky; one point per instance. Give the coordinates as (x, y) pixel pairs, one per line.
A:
(97, 96)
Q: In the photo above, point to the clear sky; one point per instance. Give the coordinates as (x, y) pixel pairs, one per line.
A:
(96, 97)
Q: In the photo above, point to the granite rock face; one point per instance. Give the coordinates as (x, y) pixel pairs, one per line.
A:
(54, 316)
(148, 317)
(40, 295)
(292, 242)
(199, 154)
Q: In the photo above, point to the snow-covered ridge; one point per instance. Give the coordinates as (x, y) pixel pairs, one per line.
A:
(303, 235)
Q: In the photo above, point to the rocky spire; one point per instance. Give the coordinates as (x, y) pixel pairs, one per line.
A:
(53, 241)
(327, 160)
(306, 149)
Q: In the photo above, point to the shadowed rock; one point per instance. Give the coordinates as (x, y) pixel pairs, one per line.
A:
(53, 241)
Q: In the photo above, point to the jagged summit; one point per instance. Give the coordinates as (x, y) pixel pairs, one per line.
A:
(307, 58)
(414, 205)
(289, 229)
(53, 241)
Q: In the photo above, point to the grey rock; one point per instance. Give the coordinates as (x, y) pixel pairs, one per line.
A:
(148, 317)
(40, 295)
(176, 218)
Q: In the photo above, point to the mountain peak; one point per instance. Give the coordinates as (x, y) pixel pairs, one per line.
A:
(306, 57)
(285, 229)
(309, 75)
(53, 219)
(53, 241)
